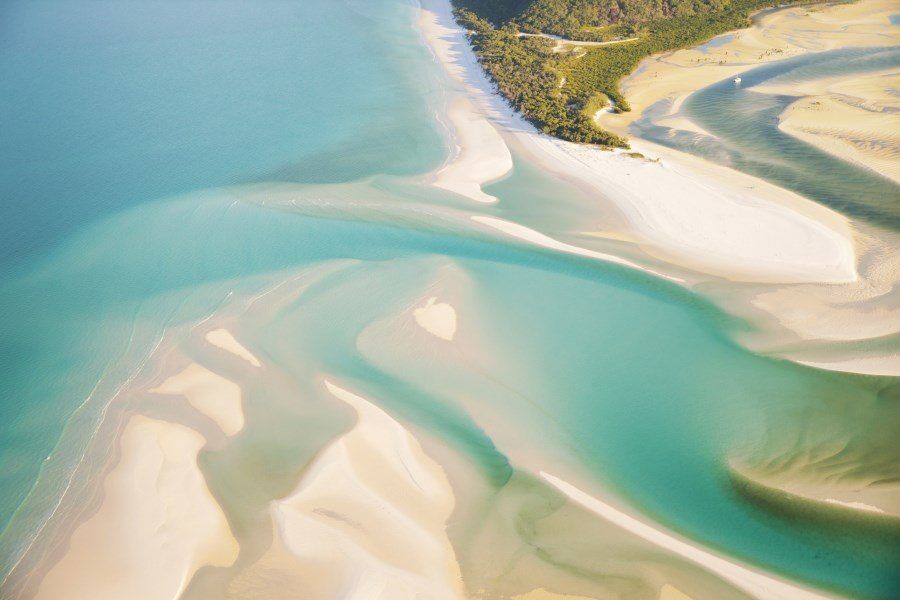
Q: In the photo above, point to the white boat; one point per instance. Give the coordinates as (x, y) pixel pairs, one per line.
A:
(737, 79)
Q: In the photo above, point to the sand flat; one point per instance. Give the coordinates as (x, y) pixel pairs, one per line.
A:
(222, 338)
(841, 483)
(367, 520)
(537, 238)
(211, 394)
(710, 218)
(851, 117)
(157, 525)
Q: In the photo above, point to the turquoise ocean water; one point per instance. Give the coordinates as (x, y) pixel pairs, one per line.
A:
(142, 145)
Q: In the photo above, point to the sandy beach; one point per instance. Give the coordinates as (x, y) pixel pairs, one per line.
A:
(479, 155)
(158, 523)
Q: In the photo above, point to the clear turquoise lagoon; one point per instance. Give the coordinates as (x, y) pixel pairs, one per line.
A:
(132, 133)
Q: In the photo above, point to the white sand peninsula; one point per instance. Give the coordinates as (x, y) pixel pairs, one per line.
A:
(714, 226)
(158, 523)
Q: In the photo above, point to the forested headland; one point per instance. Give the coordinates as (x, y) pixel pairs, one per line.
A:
(558, 86)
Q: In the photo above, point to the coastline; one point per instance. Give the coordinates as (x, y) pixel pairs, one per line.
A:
(775, 34)
(224, 469)
(754, 241)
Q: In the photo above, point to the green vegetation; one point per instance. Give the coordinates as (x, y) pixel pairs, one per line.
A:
(525, 71)
(580, 19)
(561, 91)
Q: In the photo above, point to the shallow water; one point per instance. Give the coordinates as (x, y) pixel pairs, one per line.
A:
(715, 42)
(320, 113)
(745, 125)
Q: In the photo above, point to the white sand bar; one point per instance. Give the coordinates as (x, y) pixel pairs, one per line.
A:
(222, 338)
(370, 515)
(711, 218)
(158, 523)
(539, 239)
(437, 318)
(754, 583)
(213, 395)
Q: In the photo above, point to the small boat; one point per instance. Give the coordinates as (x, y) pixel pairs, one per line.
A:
(737, 79)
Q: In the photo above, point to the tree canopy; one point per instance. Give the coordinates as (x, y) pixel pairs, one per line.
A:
(560, 91)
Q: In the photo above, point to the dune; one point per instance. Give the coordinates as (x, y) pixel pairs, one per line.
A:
(157, 525)
(753, 582)
(437, 318)
(211, 394)
(367, 519)
(222, 338)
